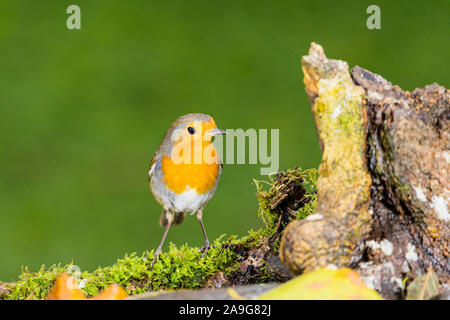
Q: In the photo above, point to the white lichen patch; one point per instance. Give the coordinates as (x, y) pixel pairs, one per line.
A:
(446, 156)
(336, 112)
(372, 244)
(419, 194)
(365, 265)
(374, 95)
(405, 267)
(372, 275)
(387, 247)
(384, 245)
(439, 204)
(315, 216)
(398, 282)
(411, 253)
(332, 266)
(370, 282)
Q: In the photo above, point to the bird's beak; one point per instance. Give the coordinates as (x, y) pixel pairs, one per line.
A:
(215, 132)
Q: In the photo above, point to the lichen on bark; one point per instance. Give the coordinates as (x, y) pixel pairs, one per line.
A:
(383, 184)
(341, 216)
(408, 152)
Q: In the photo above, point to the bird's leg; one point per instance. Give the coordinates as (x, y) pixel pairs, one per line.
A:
(207, 245)
(159, 249)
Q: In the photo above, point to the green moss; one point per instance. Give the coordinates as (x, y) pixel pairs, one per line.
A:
(33, 285)
(308, 208)
(278, 188)
(176, 267)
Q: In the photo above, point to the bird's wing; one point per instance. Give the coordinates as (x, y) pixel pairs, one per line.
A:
(220, 166)
(152, 167)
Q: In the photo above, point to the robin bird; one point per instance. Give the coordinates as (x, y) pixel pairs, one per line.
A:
(185, 171)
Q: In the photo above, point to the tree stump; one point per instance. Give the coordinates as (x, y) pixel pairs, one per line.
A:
(383, 185)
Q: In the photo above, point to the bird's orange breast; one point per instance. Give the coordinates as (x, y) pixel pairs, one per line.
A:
(179, 177)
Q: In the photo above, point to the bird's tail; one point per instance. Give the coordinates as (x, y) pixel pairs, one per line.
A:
(176, 217)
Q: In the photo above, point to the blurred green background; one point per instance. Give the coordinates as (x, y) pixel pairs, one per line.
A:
(82, 111)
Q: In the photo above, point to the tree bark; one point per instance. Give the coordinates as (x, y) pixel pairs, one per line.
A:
(383, 184)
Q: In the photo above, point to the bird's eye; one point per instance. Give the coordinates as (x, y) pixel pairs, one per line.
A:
(191, 130)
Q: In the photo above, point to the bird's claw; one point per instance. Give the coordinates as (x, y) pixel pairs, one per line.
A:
(205, 249)
(156, 256)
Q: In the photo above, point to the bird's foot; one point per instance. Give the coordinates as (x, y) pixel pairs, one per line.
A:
(156, 256)
(205, 248)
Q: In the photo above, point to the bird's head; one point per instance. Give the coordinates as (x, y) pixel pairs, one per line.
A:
(191, 129)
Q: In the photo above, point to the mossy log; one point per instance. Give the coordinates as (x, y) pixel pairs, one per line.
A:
(232, 261)
(383, 185)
